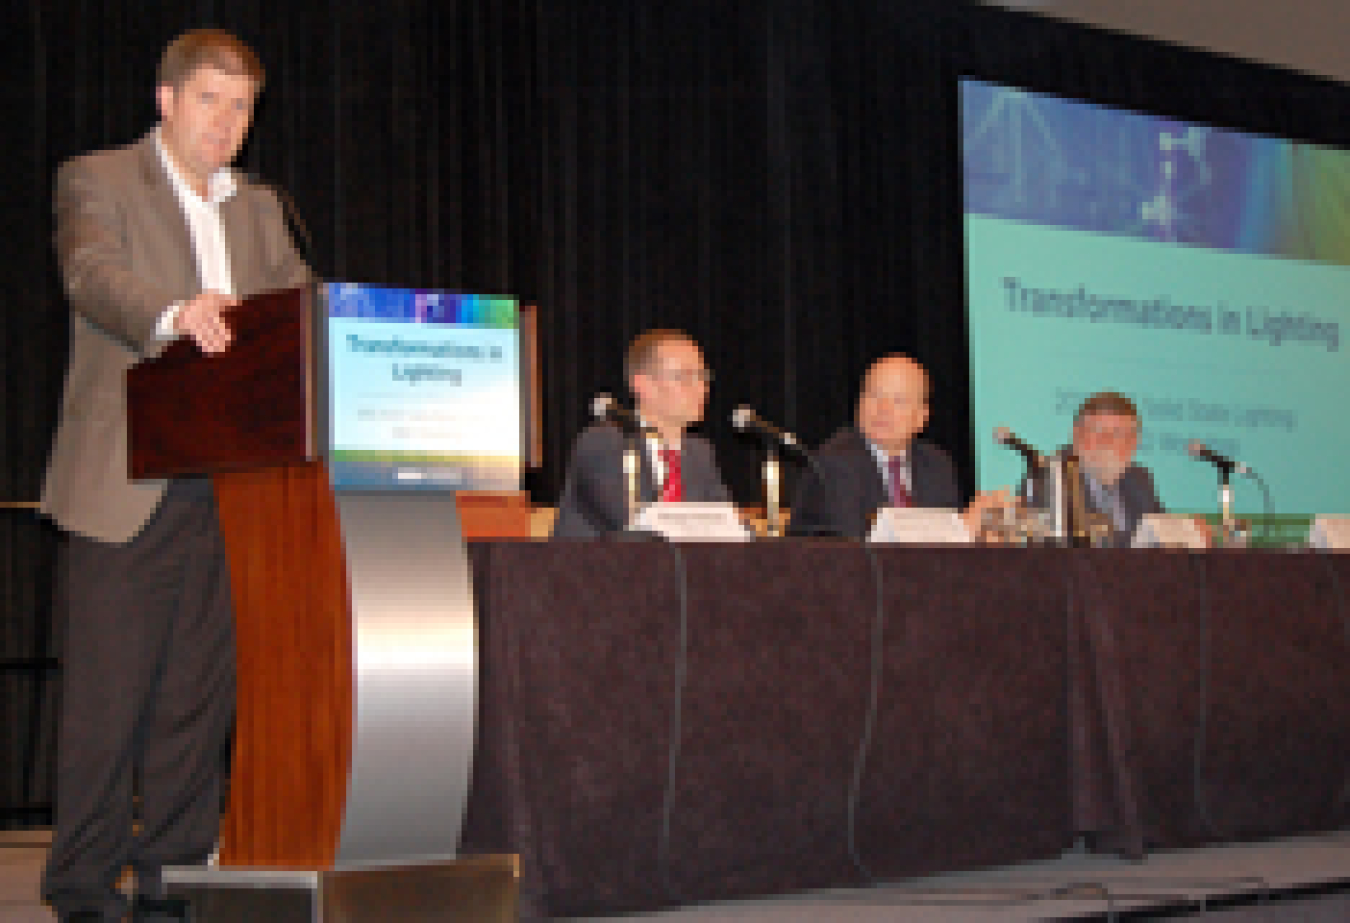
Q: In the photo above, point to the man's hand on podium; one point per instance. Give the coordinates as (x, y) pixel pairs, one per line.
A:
(203, 319)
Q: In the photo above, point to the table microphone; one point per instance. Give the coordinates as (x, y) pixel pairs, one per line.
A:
(747, 421)
(604, 407)
(1005, 437)
(1199, 450)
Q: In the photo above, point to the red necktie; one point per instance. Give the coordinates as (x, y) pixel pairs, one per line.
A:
(899, 492)
(672, 490)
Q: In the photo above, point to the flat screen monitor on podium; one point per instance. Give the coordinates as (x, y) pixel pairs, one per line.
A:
(425, 389)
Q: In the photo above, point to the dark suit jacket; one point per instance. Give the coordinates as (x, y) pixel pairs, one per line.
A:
(1138, 497)
(125, 254)
(841, 492)
(594, 499)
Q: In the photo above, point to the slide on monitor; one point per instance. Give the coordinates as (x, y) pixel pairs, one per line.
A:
(425, 389)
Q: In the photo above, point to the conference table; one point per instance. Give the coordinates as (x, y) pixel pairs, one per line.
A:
(663, 723)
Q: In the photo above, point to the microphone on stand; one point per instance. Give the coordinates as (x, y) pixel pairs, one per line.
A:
(1055, 475)
(747, 421)
(1230, 526)
(292, 215)
(605, 407)
(1006, 438)
(1198, 450)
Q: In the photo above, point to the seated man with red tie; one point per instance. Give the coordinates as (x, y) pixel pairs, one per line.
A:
(879, 460)
(669, 381)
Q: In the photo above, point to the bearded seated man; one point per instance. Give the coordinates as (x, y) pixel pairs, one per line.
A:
(1117, 490)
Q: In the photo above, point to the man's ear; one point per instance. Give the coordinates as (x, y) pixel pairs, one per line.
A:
(640, 384)
(164, 98)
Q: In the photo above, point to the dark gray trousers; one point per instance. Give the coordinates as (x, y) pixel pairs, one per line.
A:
(147, 702)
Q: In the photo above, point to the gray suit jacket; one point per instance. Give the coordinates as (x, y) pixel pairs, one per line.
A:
(594, 499)
(125, 255)
(842, 491)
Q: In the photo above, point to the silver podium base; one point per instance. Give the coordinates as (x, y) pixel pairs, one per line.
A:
(469, 889)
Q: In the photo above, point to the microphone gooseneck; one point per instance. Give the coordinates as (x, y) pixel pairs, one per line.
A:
(1198, 450)
(605, 407)
(747, 421)
(1007, 438)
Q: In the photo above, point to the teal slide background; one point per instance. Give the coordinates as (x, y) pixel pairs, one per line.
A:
(1280, 408)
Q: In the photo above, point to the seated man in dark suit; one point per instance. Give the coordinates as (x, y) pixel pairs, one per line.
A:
(669, 381)
(1105, 438)
(879, 461)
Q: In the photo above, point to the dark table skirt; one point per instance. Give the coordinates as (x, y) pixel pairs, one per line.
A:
(662, 724)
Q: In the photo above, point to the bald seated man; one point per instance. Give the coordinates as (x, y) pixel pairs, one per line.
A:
(879, 460)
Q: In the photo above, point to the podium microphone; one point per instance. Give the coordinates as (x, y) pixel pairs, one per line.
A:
(747, 421)
(1198, 450)
(291, 212)
(1008, 439)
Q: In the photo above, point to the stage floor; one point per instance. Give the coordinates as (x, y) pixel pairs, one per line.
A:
(1304, 879)
(21, 855)
(1294, 878)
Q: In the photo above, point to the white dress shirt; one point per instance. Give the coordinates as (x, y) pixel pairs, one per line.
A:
(653, 444)
(884, 463)
(206, 230)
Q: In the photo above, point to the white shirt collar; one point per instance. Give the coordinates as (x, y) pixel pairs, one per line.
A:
(219, 188)
(654, 438)
(883, 457)
(654, 445)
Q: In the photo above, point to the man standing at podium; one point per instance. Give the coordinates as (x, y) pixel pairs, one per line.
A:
(156, 240)
(669, 381)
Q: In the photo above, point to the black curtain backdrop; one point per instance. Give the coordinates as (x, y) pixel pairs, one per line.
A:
(778, 177)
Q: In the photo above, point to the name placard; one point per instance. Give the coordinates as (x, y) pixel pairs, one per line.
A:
(692, 522)
(919, 526)
(1167, 530)
(1330, 533)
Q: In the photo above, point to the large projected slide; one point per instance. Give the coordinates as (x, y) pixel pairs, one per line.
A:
(1205, 273)
(426, 389)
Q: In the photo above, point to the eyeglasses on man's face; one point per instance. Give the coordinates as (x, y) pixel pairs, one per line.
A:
(1116, 434)
(682, 376)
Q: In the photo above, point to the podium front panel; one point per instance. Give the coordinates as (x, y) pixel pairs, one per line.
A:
(414, 646)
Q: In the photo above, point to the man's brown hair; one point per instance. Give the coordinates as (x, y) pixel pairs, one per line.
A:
(642, 351)
(1110, 402)
(207, 48)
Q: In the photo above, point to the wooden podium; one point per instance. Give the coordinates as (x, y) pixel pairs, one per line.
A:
(356, 640)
